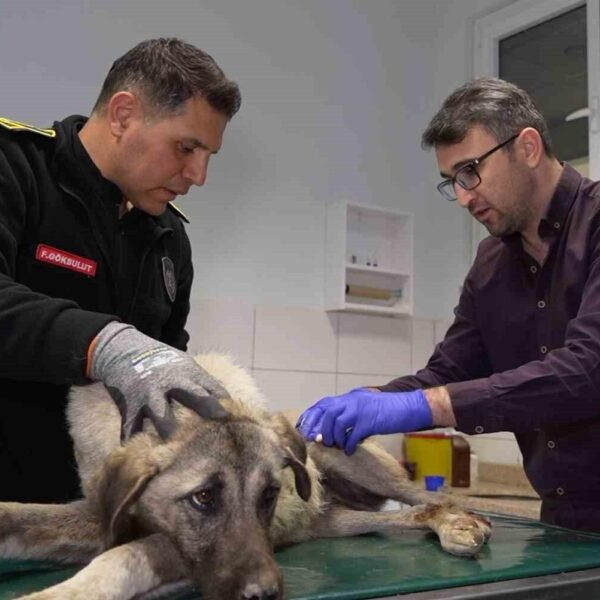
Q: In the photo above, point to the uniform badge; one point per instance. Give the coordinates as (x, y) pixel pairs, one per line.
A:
(169, 277)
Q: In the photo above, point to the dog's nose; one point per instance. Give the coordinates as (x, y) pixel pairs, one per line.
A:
(254, 592)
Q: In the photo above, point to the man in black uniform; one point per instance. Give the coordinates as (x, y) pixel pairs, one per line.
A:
(95, 265)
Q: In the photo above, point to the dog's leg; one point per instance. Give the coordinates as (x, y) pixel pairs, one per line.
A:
(369, 477)
(121, 572)
(61, 532)
(459, 533)
(366, 479)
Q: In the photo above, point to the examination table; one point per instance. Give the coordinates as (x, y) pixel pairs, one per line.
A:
(523, 559)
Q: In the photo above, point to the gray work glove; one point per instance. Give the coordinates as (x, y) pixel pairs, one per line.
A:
(138, 371)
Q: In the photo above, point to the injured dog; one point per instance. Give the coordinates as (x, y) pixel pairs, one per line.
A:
(208, 498)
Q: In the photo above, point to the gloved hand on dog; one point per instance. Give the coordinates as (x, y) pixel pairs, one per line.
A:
(138, 371)
(348, 419)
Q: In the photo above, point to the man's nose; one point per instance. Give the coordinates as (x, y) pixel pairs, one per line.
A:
(195, 169)
(464, 197)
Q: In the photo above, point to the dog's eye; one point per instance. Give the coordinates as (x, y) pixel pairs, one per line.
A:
(202, 499)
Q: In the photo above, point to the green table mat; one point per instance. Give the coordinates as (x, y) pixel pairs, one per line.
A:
(373, 566)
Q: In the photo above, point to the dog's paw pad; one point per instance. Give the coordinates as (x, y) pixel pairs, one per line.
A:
(463, 536)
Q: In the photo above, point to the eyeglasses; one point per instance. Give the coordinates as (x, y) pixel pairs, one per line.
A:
(467, 176)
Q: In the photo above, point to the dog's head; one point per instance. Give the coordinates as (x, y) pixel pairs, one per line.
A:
(211, 487)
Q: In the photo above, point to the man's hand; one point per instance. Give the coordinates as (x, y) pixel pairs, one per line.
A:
(138, 371)
(348, 419)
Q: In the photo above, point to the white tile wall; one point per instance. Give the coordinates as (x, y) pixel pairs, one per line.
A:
(423, 335)
(373, 344)
(500, 450)
(293, 391)
(222, 326)
(295, 339)
(300, 355)
(346, 381)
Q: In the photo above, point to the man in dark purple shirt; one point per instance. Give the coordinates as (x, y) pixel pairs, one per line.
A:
(523, 353)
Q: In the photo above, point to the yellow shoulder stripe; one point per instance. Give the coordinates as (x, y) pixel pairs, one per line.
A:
(18, 126)
(178, 212)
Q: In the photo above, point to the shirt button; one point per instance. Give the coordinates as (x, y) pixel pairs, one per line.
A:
(543, 349)
(541, 304)
(551, 444)
(560, 491)
(533, 269)
(556, 225)
(479, 429)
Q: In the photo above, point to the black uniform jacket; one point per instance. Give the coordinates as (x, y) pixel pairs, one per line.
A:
(68, 266)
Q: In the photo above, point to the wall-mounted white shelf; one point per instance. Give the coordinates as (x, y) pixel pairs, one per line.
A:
(369, 261)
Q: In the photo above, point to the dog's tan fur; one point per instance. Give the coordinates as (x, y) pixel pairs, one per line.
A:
(146, 522)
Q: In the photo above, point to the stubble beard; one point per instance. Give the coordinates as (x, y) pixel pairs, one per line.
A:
(518, 214)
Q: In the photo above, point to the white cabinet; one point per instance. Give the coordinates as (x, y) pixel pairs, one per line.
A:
(369, 260)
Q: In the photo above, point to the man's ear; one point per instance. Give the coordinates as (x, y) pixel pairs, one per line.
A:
(123, 107)
(531, 146)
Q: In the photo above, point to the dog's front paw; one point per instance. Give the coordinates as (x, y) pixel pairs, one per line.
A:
(463, 534)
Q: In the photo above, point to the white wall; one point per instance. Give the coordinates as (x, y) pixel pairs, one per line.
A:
(335, 96)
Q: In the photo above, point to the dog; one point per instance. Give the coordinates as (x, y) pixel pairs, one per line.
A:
(205, 498)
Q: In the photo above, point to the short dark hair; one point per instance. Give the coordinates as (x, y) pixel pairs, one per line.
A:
(500, 107)
(166, 72)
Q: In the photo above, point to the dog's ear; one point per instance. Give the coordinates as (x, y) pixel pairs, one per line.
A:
(122, 483)
(301, 476)
(289, 436)
(294, 449)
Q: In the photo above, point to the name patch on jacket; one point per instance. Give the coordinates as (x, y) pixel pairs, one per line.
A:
(60, 258)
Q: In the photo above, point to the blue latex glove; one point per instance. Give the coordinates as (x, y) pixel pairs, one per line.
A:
(348, 419)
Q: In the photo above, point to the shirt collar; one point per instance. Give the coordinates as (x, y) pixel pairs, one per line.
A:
(560, 204)
(552, 222)
(75, 166)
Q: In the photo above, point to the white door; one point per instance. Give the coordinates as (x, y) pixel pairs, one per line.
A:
(550, 48)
